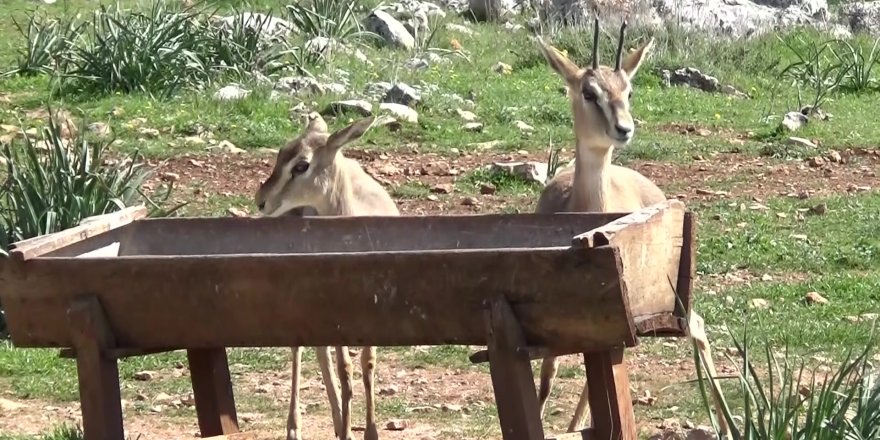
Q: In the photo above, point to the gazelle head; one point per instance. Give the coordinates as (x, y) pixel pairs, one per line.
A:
(305, 168)
(600, 95)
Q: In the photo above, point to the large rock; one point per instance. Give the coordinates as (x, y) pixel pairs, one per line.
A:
(481, 8)
(737, 18)
(862, 16)
(817, 9)
(390, 29)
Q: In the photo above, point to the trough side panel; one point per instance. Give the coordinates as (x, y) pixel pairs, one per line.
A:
(564, 297)
(287, 234)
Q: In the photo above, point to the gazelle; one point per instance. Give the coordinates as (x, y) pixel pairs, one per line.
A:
(600, 102)
(311, 171)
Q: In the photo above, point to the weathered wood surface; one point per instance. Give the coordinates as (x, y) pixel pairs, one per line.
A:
(511, 371)
(563, 297)
(98, 375)
(89, 227)
(212, 390)
(650, 242)
(290, 234)
(583, 434)
(610, 400)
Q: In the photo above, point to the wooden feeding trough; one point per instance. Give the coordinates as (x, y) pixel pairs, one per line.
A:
(523, 285)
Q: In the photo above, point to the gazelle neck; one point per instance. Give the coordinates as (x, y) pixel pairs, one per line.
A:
(590, 186)
(338, 195)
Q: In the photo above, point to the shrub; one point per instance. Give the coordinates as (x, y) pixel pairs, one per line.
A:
(48, 45)
(790, 401)
(136, 52)
(859, 65)
(51, 185)
(326, 18)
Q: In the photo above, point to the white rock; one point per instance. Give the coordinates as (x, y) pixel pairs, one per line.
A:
(401, 93)
(461, 29)
(525, 128)
(466, 116)
(358, 106)
(792, 121)
(391, 30)
(475, 127)
(231, 92)
(529, 171)
(400, 112)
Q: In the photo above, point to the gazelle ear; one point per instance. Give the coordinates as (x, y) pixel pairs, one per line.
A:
(353, 132)
(315, 123)
(634, 59)
(560, 63)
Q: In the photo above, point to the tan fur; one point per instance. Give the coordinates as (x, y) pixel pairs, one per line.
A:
(332, 185)
(602, 121)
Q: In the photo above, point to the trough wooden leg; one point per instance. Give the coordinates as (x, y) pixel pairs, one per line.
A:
(511, 371)
(610, 401)
(97, 371)
(212, 389)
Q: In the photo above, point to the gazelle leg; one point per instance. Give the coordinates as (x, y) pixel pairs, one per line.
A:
(697, 332)
(343, 364)
(368, 368)
(549, 367)
(580, 412)
(294, 419)
(331, 383)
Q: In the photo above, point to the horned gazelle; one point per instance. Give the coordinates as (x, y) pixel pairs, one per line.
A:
(600, 102)
(311, 171)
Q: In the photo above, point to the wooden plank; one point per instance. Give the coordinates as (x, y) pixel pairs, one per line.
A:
(212, 389)
(610, 401)
(564, 298)
(511, 371)
(98, 375)
(650, 243)
(89, 227)
(238, 436)
(687, 269)
(583, 434)
(117, 353)
(291, 234)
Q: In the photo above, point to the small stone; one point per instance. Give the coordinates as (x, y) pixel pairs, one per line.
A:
(442, 188)
(819, 209)
(801, 142)
(400, 112)
(869, 316)
(390, 390)
(466, 116)
(766, 277)
(487, 189)
(231, 92)
(358, 106)
(453, 27)
(835, 157)
(401, 93)
(432, 197)
(229, 147)
(450, 407)
(162, 398)
(474, 127)
(759, 303)
(522, 126)
(144, 375)
(396, 425)
(170, 177)
(701, 433)
(99, 128)
(502, 68)
(194, 140)
(816, 162)
(470, 201)
(8, 406)
(815, 298)
(435, 169)
(389, 169)
(236, 212)
(793, 121)
(148, 132)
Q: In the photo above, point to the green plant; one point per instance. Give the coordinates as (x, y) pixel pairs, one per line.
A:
(157, 52)
(812, 70)
(48, 47)
(240, 47)
(786, 400)
(53, 184)
(859, 64)
(424, 41)
(327, 18)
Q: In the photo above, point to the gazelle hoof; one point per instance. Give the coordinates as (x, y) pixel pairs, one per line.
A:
(371, 433)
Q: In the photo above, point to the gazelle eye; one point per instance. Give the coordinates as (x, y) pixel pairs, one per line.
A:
(588, 94)
(300, 167)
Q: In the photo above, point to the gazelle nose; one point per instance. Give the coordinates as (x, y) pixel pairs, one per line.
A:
(261, 206)
(623, 130)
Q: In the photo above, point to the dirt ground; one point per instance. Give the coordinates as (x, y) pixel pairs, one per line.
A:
(201, 177)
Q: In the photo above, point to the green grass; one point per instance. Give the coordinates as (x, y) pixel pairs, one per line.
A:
(836, 254)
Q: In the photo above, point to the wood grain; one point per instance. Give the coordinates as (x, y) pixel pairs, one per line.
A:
(564, 298)
(610, 400)
(89, 227)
